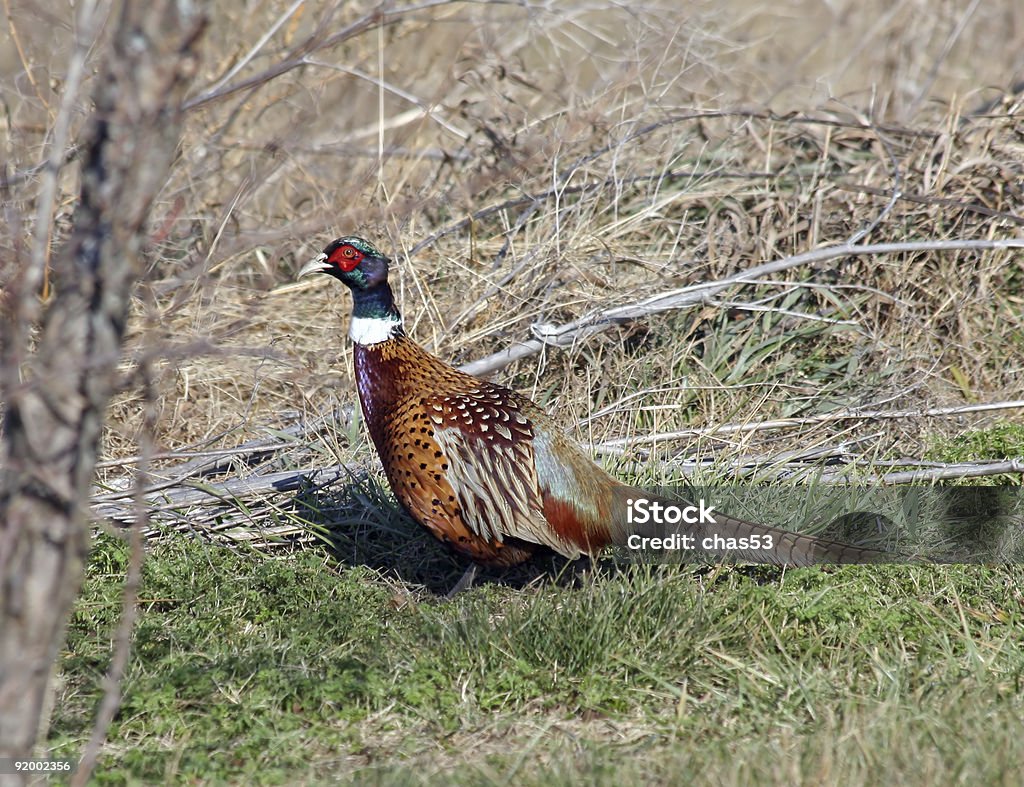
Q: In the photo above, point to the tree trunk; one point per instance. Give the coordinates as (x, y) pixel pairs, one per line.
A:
(55, 398)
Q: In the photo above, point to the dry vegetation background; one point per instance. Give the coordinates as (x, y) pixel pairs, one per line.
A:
(540, 161)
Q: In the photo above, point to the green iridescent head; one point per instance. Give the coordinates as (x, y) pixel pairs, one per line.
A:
(354, 260)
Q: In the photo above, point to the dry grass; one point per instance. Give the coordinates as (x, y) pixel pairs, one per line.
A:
(547, 162)
(594, 110)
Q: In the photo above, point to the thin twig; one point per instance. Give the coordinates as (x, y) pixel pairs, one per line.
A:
(129, 603)
(89, 24)
(248, 56)
(369, 21)
(920, 199)
(581, 189)
(897, 185)
(26, 66)
(425, 108)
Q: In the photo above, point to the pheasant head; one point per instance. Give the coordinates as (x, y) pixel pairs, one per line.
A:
(364, 270)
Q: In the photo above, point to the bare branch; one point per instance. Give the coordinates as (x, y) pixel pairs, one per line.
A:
(370, 20)
(129, 603)
(948, 472)
(697, 294)
(790, 423)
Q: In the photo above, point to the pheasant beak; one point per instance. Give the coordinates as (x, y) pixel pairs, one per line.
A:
(316, 265)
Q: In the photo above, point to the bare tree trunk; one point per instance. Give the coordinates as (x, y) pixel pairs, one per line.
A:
(55, 399)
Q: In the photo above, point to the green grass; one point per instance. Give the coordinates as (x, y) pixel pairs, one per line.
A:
(1001, 441)
(248, 668)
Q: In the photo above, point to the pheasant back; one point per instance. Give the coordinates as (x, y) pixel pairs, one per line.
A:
(481, 466)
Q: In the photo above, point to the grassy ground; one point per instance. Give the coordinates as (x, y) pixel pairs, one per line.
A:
(345, 665)
(300, 668)
(530, 165)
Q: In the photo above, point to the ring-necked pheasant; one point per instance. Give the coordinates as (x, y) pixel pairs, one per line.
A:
(483, 467)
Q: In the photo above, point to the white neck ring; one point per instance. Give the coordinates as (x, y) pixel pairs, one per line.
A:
(373, 330)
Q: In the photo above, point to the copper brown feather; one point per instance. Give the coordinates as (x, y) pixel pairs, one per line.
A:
(485, 469)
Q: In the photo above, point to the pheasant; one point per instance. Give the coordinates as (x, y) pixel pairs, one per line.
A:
(484, 468)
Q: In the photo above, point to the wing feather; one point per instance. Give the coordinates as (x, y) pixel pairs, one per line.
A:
(492, 468)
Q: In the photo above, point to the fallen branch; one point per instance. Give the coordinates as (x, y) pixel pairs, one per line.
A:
(947, 472)
(215, 461)
(193, 493)
(789, 423)
(796, 466)
(697, 294)
(257, 509)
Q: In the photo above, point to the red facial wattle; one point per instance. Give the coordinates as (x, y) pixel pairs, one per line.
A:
(347, 258)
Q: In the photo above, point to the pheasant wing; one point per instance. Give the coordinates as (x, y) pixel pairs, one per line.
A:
(489, 446)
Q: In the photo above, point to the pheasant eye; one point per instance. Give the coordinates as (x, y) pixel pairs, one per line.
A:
(348, 258)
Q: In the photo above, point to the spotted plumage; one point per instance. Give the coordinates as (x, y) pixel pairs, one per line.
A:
(482, 467)
(469, 459)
